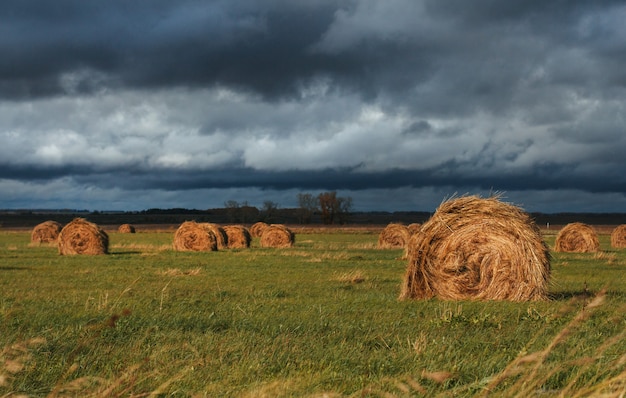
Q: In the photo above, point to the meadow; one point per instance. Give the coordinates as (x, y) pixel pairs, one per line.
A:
(319, 319)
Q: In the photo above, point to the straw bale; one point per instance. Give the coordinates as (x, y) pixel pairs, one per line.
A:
(393, 236)
(46, 232)
(477, 249)
(238, 236)
(256, 230)
(220, 235)
(193, 236)
(414, 228)
(126, 229)
(277, 235)
(83, 237)
(577, 237)
(618, 237)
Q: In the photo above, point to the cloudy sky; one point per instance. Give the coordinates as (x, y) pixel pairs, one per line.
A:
(398, 104)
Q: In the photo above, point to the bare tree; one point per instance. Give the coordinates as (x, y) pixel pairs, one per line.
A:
(334, 207)
(269, 210)
(307, 204)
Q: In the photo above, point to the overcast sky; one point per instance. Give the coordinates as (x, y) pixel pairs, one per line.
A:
(398, 104)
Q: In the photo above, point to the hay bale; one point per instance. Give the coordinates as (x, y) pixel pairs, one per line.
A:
(277, 235)
(393, 236)
(46, 232)
(238, 236)
(477, 249)
(256, 230)
(126, 229)
(414, 228)
(577, 237)
(220, 235)
(83, 237)
(193, 236)
(618, 237)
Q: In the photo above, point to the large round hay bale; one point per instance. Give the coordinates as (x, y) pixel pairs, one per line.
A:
(278, 236)
(414, 228)
(46, 232)
(618, 237)
(220, 235)
(193, 236)
(82, 237)
(577, 237)
(256, 230)
(126, 229)
(393, 236)
(477, 249)
(238, 236)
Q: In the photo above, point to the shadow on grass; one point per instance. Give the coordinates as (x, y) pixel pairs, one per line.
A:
(15, 268)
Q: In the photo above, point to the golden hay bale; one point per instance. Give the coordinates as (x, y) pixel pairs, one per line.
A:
(238, 236)
(477, 249)
(393, 236)
(46, 232)
(126, 229)
(618, 236)
(577, 237)
(220, 235)
(414, 228)
(277, 235)
(82, 237)
(193, 236)
(256, 230)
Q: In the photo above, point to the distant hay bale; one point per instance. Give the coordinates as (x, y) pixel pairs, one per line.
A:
(193, 236)
(220, 235)
(46, 232)
(238, 236)
(414, 228)
(477, 249)
(577, 237)
(256, 230)
(278, 236)
(393, 236)
(126, 229)
(83, 237)
(618, 237)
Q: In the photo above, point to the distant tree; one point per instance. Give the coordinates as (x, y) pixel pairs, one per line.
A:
(268, 210)
(334, 208)
(232, 209)
(307, 204)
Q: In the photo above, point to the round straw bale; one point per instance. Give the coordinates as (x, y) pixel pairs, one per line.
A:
(193, 236)
(477, 249)
(618, 237)
(220, 235)
(414, 228)
(238, 236)
(83, 237)
(256, 230)
(393, 236)
(46, 232)
(577, 237)
(126, 229)
(277, 235)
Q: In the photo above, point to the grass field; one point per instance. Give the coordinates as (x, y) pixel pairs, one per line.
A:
(319, 319)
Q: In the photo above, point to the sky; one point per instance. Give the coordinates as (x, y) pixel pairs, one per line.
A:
(397, 104)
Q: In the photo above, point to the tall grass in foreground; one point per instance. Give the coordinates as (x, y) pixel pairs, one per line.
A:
(319, 319)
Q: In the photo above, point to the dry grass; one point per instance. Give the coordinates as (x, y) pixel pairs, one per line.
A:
(618, 237)
(46, 232)
(477, 249)
(277, 236)
(577, 238)
(193, 236)
(83, 237)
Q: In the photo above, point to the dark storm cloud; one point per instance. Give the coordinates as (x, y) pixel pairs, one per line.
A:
(283, 95)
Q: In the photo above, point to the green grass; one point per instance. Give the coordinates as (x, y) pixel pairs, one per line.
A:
(319, 318)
